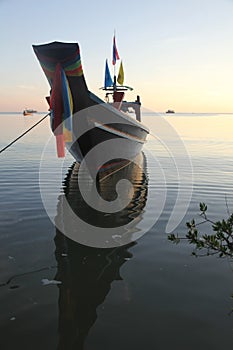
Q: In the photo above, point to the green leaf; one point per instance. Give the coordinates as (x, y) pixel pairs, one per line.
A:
(203, 207)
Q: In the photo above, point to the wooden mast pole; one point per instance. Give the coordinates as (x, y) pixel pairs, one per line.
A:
(114, 76)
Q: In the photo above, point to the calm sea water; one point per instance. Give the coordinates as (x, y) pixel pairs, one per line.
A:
(150, 293)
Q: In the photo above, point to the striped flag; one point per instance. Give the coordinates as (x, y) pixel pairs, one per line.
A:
(115, 55)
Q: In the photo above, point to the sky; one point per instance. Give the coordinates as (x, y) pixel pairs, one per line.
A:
(177, 54)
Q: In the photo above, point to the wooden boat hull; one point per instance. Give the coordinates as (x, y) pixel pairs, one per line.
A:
(103, 135)
(94, 122)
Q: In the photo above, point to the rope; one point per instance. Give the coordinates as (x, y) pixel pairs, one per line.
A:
(20, 136)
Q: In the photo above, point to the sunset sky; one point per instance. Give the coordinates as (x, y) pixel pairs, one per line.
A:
(176, 54)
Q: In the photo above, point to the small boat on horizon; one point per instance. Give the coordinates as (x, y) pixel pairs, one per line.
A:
(170, 111)
(29, 111)
(101, 132)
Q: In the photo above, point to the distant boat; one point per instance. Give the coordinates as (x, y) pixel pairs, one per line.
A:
(29, 111)
(74, 108)
(170, 111)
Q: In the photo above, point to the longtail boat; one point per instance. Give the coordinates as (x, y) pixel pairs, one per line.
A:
(100, 132)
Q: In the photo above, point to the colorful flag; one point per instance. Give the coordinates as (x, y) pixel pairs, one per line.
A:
(61, 108)
(120, 78)
(67, 108)
(60, 146)
(107, 80)
(115, 55)
(56, 103)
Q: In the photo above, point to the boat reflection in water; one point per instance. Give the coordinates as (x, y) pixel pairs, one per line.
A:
(86, 272)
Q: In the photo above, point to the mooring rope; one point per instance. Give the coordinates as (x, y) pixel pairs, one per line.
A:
(20, 136)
